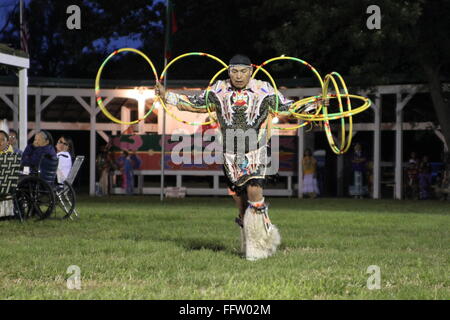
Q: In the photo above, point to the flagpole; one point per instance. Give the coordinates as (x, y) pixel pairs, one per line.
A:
(21, 21)
(163, 142)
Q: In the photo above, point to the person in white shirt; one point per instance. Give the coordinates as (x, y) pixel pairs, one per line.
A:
(65, 153)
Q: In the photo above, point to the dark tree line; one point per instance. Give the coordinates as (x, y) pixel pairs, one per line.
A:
(412, 44)
(56, 51)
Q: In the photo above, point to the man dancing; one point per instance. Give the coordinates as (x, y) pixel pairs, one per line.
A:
(242, 109)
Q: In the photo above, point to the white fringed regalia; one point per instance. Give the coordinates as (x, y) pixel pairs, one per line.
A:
(259, 237)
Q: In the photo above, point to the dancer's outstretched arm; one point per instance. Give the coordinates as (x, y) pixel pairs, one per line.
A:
(285, 104)
(194, 103)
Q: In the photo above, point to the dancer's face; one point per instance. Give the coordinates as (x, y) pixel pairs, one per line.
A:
(240, 76)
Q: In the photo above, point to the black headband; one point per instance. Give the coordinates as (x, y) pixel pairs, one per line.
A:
(240, 59)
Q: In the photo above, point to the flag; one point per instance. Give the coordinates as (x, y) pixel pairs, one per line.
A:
(174, 26)
(24, 36)
(171, 28)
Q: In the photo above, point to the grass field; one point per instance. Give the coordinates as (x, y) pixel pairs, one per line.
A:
(139, 248)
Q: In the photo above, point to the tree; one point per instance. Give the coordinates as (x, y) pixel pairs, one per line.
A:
(331, 35)
(220, 28)
(413, 41)
(56, 51)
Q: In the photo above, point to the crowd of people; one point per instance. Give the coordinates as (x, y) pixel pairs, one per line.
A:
(419, 182)
(107, 165)
(41, 146)
(31, 157)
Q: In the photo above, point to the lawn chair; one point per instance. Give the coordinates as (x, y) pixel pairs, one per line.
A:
(65, 193)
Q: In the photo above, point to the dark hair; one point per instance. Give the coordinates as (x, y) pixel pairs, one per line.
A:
(13, 131)
(308, 150)
(69, 142)
(125, 152)
(47, 136)
(240, 59)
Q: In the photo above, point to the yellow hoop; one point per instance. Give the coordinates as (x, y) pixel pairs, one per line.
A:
(97, 86)
(207, 91)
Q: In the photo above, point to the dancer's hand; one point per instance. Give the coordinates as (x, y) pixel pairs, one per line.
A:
(311, 107)
(160, 91)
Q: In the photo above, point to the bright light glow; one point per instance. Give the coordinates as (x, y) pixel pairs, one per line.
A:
(141, 92)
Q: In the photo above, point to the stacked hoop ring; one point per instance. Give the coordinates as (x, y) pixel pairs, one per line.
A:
(320, 101)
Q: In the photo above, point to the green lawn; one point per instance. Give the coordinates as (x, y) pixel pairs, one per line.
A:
(139, 248)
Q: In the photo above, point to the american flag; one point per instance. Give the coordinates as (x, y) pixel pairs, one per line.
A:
(171, 28)
(24, 32)
(24, 36)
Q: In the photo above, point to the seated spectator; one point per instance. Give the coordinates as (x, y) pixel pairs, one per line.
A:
(41, 146)
(4, 144)
(65, 154)
(13, 141)
(6, 207)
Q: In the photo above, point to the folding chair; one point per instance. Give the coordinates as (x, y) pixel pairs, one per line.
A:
(65, 194)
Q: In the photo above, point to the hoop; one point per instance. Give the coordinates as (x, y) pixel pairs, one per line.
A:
(275, 112)
(164, 72)
(97, 86)
(293, 109)
(330, 138)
